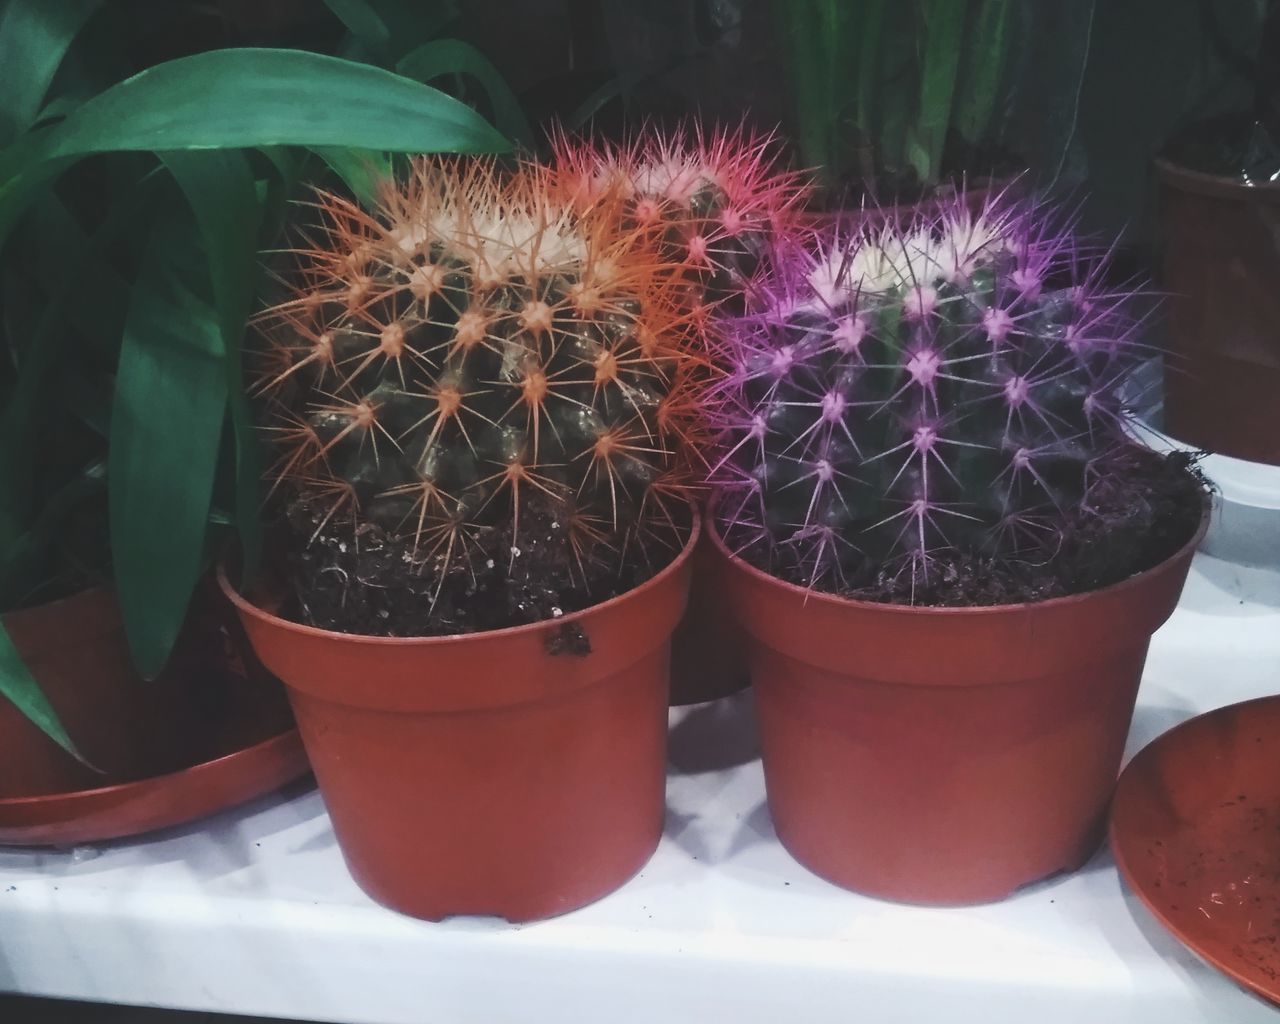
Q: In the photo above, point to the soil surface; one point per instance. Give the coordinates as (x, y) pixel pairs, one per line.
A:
(357, 578)
(1149, 507)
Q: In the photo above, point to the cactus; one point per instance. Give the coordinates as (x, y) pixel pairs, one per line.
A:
(476, 397)
(715, 196)
(930, 412)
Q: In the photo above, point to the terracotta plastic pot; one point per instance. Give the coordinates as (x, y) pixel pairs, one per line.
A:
(708, 649)
(486, 773)
(1221, 245)
(945, 755)
(126, 727)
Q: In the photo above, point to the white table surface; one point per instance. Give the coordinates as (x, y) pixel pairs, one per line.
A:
(252, 912)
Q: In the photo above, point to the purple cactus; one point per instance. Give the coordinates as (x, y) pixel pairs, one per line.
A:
(907, 403)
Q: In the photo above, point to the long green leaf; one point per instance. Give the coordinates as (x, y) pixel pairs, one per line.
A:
(237, 98)
(361, 170)
(455, 57)
(20, 561)
(943, 26)
(363, 22)
(807, 60)
(74, 275)
(34, 37)
(245, 98)
(591, 106)
(219, 188)
(18, 685)
(984, 64)
(166, 421)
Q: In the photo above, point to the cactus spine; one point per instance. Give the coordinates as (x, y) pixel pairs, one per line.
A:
(473, 374)
(906, 406)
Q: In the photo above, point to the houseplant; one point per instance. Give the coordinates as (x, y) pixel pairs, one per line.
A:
(894, 103)
(131, 213)
(715, 196)
(948, 556)
(479, 401)
(1219, 208)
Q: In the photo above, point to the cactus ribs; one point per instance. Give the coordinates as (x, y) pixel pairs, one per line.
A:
(480, 405)
(930, 413)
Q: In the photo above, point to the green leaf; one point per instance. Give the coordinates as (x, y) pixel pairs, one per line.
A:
(363, 22)
(220, 189)
(34, 37)
(18, 685)
(246, 98)
(455, 57)
(21, 559)
(591, 106)
(943, 26)
(361, 170)
(238, 98)
(166, 420)
(984, 63)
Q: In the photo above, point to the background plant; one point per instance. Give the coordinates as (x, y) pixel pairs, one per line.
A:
(931, 413)
(901, 94)
(133, 204)
(478, 403)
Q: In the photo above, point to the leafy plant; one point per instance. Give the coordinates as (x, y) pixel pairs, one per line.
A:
(477, 403)
(132, 210)
(889, 92)
(931, 413)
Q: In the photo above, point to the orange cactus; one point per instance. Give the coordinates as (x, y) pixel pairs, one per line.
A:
(473, 347)
(714, 196)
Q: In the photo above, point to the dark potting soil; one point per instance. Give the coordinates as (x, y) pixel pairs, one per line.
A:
(358, 578)
(1148, 507)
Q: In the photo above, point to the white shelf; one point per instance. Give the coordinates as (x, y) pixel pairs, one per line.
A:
(252, 912)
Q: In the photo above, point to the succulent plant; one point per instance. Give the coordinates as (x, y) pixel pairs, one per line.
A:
(716, 196)
(925, 412)
(476, 395)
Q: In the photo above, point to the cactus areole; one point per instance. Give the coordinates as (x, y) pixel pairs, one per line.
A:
(930, 413)
(478, 398)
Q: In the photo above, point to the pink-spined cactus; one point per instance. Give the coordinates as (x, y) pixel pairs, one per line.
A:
(930, 412)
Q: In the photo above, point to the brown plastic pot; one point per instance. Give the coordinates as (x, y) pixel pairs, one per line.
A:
(483, 773)
(945, 755)
(126, 728)
(1221, 258)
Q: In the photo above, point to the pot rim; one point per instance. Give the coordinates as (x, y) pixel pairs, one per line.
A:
(247, 607)
(958, 611)
(1218, 185)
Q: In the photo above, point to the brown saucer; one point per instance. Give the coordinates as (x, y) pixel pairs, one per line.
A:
(1195, 828)
(132, 808)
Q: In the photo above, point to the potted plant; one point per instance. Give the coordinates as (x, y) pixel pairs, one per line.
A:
(947, 554)
(1219, 207)
(478, 398)
(131, 214)
(895, 104)
(715, 196)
